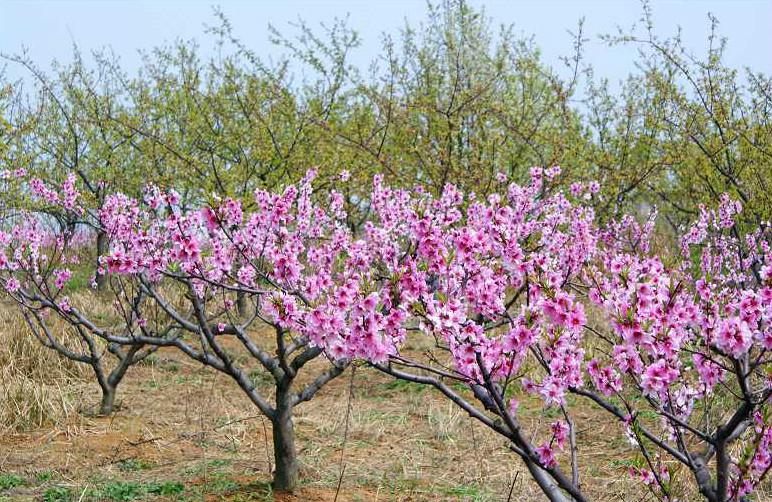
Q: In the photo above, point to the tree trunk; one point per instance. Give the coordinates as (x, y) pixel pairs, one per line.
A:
(108, 400)
(101, 248)
(241, 303)
(723, 464)
(110, 384)
(285, 476)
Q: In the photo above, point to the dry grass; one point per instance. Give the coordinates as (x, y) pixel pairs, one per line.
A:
(190, 427)
(39, 388)
(188, 433)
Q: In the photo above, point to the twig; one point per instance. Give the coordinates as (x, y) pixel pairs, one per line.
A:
(512, 487)
(265, 442)
(144, 441)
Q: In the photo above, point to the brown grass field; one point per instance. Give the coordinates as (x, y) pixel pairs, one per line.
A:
(185, 432)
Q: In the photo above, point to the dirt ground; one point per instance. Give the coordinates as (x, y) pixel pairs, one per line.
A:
(184, 432)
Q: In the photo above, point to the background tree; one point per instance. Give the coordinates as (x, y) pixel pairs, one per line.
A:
(69, 129)
(690, 129)
(36, 265)
(449, 101)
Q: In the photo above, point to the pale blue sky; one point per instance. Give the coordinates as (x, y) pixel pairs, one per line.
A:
(48, 28)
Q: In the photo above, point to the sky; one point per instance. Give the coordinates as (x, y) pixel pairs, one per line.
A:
(47, 29)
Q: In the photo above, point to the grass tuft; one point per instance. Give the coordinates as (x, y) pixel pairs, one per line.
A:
(39, 386)
(57, 494)
(8, 481)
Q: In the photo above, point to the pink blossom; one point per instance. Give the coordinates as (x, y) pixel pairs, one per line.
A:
(546, 455)
(12, 285)
(657, 378)
(62, 276)
(733, 337)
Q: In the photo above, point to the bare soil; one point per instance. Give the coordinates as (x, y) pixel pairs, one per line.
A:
(185, 432)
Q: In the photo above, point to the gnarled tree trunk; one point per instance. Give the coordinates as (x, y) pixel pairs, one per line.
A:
(107, 405)
(285, 477)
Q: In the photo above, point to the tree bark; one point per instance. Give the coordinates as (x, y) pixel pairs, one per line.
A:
(101, 249)
(547, 484)
(241, 303)
(107, 405)
(723, 465)
(285, 476)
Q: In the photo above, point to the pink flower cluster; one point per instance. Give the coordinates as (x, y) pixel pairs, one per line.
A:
(506, 285)
(681, 330)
